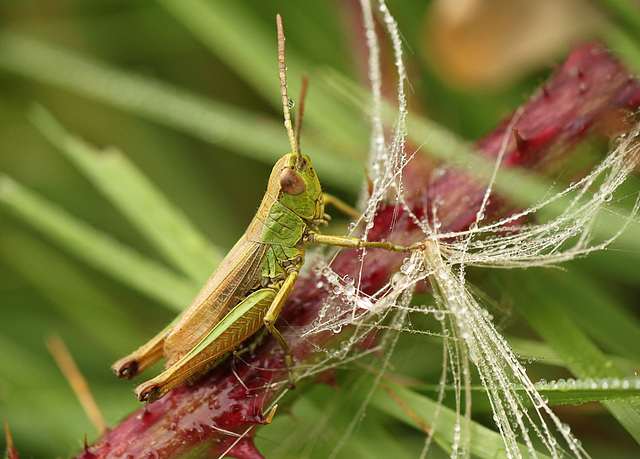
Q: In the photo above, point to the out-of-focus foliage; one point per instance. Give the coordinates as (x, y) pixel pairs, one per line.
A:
(184, 97)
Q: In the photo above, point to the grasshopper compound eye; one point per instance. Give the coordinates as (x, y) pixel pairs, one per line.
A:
(292, 183)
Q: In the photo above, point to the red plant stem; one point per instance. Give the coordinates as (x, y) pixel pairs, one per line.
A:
(590, 95)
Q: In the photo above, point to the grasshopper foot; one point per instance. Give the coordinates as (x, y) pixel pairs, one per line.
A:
(148, 392)
(125, 368)
(418, 246)
(292, 383)
(288, 363)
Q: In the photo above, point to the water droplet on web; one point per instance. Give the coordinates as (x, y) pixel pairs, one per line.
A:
(439, 315)
(541, 401)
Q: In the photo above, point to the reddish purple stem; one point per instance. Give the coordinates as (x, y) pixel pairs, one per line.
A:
(590, 95)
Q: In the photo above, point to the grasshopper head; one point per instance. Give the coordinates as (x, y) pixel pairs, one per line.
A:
(293, 181)
(298, 186)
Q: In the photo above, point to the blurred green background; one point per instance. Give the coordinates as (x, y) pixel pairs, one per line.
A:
(188, 92)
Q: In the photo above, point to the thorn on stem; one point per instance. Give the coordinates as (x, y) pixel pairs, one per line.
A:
(522, 144)
(10, 450)
(544, 88)
(272, 413)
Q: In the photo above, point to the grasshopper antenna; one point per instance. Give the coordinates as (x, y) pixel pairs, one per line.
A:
(283, 88)
(303, 96)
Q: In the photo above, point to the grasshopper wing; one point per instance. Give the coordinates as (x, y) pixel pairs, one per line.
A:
(239, 273)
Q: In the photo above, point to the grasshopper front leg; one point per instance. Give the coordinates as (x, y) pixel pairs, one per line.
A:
(273, 313)
(355, 243)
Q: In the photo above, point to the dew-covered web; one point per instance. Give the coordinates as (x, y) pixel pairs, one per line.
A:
(469, 335)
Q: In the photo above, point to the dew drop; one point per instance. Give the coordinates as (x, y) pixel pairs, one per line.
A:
(540, 402)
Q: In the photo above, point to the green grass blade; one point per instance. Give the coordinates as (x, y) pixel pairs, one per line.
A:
(560, 392)
(544, 311)
(20, 365)
(164, 226)
(236, 35)
(95, 248)
(165, 104)
(320, 418)
(625, 12)
(74, 296)
(595, 308)
(419, 411)
(249, 46)
(626, 46)
(543, 354)
(579, 391)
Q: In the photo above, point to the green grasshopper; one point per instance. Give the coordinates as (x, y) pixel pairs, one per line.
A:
(251, 285)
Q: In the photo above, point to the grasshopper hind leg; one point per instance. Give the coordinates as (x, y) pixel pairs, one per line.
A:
(238, 325)
(151, 390)
(141, 359)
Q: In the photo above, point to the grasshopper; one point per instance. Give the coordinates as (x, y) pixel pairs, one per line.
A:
(250, 287)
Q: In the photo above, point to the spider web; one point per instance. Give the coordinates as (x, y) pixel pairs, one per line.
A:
(470, 338)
